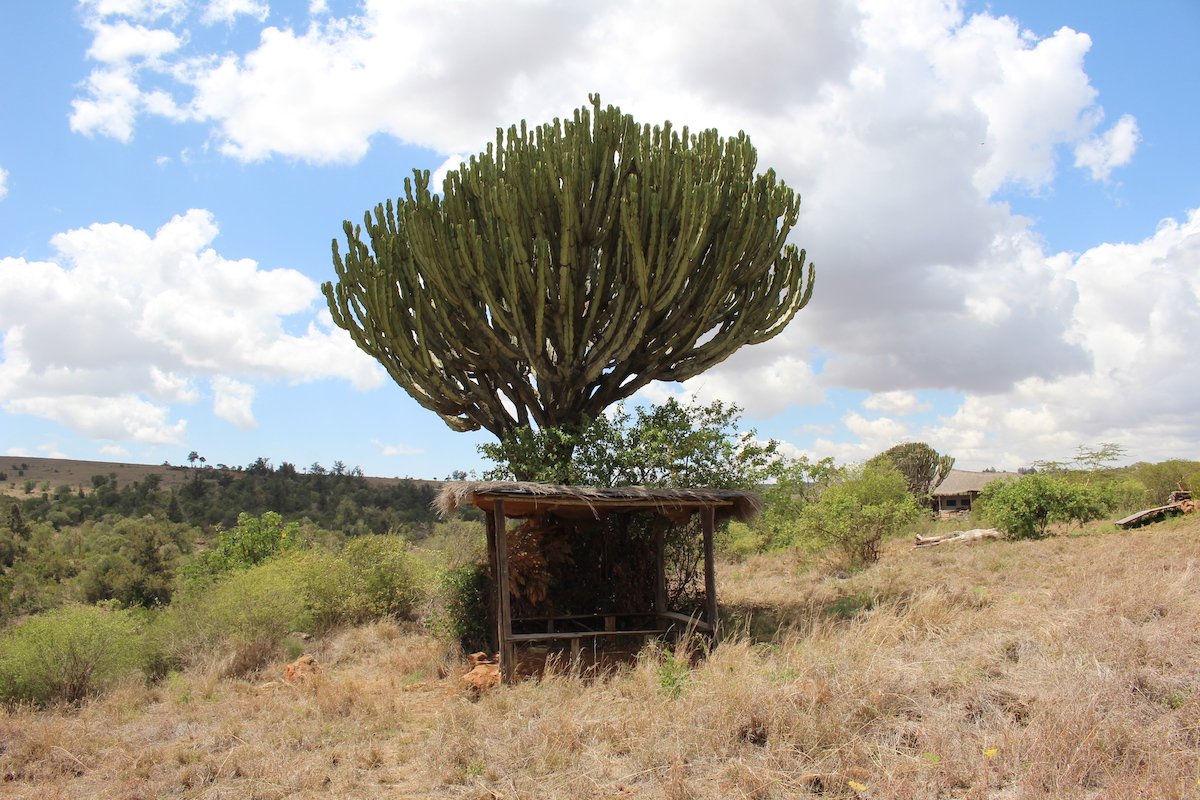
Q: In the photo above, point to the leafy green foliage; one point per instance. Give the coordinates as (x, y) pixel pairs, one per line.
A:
(1165, 477)
(14, 536)
(243, 617)
(384, 579)
(738, 541)
(139, 568)
(463, 592)
(242, 620)
(1026, 507)
(674, 672)
(855, 514)
(798, 483)
(69, 654)
(344, 501)
(670, 445)
(252, 541)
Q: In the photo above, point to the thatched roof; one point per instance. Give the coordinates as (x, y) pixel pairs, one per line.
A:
(960, 481)
(529, 499)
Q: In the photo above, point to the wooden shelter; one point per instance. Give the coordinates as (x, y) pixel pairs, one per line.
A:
(594, 564)
(959, 490)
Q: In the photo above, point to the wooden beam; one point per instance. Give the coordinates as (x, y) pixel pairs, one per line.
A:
(504, 600)
(708, 525)
(690, 623)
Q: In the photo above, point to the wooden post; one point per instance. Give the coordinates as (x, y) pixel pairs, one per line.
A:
(660, 570)
(708, 525)
(507, 650)
(494, 600)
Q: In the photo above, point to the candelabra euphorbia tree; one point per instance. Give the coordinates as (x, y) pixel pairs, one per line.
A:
(569, 265)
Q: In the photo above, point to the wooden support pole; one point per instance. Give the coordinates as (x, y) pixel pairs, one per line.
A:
(494, 564)
(660, 569)
(504, 600)
(708, 525)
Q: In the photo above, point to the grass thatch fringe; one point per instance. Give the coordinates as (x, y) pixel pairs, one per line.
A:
(729, 503)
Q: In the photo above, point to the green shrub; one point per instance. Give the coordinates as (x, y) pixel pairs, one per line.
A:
(462, 607)
(69, 654)
(1125, 496)
(1025, 508)
(384, 579)
(242, 620)
(853, 516)
(738, 541)
(252, 541)
(1165, 477)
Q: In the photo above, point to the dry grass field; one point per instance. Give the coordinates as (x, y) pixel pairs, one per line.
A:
(48, 474)
(1065, 668)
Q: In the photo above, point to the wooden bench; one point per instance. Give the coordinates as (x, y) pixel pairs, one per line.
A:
(576, 637)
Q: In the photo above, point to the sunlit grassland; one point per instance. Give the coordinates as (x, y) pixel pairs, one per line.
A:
(1062, 668)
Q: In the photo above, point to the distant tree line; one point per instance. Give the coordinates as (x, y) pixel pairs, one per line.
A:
(338, 499)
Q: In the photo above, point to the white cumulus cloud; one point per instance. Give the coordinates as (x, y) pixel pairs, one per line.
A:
(1137, 318)
(1114, 148)
(113, 333)
(227, 11)
(899, 403)
(119, 42)
(899, 124)
(233, 401)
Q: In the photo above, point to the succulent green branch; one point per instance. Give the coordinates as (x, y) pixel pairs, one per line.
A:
(569, 265)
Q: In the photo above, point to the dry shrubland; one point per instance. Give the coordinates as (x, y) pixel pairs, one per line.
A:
(1064, 668)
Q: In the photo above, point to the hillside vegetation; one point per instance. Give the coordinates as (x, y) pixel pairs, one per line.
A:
(1064, 667)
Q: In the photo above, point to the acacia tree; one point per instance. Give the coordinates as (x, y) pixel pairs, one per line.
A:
(569, 265)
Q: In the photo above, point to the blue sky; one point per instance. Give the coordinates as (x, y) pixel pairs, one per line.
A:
(999, 198)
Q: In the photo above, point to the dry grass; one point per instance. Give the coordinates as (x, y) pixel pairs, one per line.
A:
(1068, 668)
(55, 472)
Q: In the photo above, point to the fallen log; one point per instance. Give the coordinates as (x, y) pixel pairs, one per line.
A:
(975, 535)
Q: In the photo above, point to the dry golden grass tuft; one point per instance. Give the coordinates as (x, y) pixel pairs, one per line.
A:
(1067, 668)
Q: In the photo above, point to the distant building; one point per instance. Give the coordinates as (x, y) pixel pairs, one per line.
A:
(958, 492)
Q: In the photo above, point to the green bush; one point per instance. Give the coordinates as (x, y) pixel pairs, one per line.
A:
(243, 619)
(1165, 477)
(855, 515)
(1026, 507)
(462, 607)
(252, 541)
(384, 579)
(1126, 496)
(798, 484)
(738, 541)
(69, 654)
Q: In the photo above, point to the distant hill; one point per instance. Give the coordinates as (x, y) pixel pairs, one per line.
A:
(17, 471)
(64, 492)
